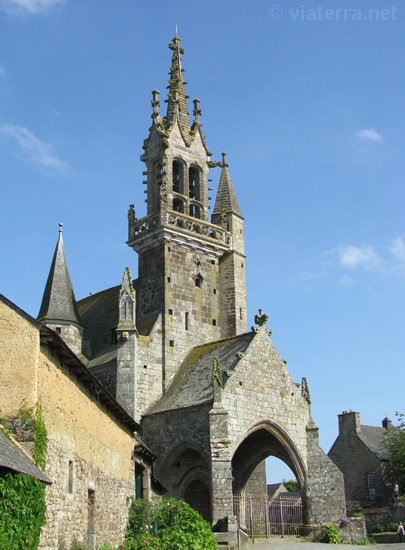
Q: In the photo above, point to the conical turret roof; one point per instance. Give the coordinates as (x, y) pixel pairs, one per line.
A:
(226, 196)
(58, 302)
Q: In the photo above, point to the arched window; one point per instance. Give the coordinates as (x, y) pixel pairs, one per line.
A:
(178, 206)
(194, 183)
(194, 211)
(177, 173)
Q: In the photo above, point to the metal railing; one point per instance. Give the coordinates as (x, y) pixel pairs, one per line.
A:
(262, 517)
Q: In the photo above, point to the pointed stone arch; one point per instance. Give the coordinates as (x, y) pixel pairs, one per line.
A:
(263, 439)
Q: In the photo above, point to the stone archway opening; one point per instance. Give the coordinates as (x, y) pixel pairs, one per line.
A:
(259, 513)
(249, 458)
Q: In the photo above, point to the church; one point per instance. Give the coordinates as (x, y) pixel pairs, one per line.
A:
(211, 395)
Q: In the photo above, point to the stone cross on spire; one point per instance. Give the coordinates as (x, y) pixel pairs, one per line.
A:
(177, 99)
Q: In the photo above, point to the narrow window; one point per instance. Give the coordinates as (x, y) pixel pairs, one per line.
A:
(70, 477)
(171, 343)
(371, 484)
(214, 322)
(240, 313)
(193, 184)
(214, 291)
(168, 279)
(186, 320)
(176, 177)
(170, 312)
(58, 330)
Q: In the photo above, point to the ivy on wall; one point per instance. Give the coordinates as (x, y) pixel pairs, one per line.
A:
(22, 498)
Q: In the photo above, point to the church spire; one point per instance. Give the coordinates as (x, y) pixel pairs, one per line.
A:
(177, 99)
(58, 306)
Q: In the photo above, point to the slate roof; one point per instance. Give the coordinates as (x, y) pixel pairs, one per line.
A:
(371, 437)
(99, 315)
(58, 302)
(192, 385)
(13, 458)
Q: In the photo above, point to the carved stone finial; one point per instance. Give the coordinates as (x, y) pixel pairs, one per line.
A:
(131, 214)
(60, 230)
(305, 390)
(224, 163)
(197, 110)
(155, 103)
(216, 373)
(261, 319)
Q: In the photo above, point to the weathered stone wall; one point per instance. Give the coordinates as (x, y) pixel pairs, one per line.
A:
(148, 375)
(107, 376)
(257, 484)
(89, 449)
(261, 389)
(383, 516)
(18, 358)
(69, 515)
(325, 496)
(170, 433)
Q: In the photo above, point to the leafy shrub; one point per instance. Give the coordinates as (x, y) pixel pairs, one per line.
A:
(177, 526)
(378, 528)
(392, 527)
(331, 535)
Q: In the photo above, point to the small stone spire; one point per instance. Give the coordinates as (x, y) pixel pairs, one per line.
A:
(226, 196)
(177, 99)
(58, 302)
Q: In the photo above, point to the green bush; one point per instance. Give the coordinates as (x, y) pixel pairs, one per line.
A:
(392, 527)
(331, 534)
(378, 528)
(167, 525)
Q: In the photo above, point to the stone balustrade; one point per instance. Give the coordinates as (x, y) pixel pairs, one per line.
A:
(179, 220)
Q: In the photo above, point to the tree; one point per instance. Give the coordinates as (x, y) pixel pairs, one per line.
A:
(393, 464)
(291, 485)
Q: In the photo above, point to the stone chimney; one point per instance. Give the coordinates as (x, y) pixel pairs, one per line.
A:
(349, 421)
(386, 423)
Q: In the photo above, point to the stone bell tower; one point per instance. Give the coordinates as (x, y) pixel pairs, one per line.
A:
(179, 249)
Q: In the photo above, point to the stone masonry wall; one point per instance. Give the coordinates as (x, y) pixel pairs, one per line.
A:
(69, 515)
(325, 486)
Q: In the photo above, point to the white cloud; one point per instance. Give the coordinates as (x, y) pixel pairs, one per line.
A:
(369, 134)
(29, 7)
(397, 249)
(353, 257)
(33, 149)
(390, 260)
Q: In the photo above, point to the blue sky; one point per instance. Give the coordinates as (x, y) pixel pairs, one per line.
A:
(306, 99)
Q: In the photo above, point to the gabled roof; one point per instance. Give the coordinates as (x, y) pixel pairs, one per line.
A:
(226, 196)
(13, 458)
(192, 385)
(58, 302)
